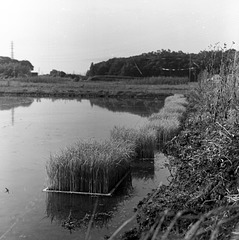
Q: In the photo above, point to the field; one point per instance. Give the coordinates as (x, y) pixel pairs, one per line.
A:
(62, 87)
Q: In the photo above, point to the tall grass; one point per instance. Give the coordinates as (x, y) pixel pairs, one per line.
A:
(217, 94)
(89, 166)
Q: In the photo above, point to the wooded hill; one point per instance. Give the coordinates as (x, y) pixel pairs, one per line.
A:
(165, 63)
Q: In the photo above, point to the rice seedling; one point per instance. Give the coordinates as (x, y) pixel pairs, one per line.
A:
(163, 114)
(179, 98)
(145, 143)
(166, 123)
(89, 166)
(142, 140)
(165, 129)
(160, 128)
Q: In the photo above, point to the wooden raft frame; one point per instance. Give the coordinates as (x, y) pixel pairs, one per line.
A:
(89, 193)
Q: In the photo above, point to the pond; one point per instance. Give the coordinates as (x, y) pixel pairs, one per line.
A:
(31, 130)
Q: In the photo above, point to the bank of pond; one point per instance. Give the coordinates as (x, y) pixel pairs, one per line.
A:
(97, 168)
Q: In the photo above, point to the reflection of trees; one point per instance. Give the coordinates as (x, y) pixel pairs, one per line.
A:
(7, 103)
(81, 207)
(141, 107)
(142, 169)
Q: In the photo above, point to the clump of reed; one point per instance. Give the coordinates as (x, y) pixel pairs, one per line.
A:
(89, 166)
(166, 123)
(160, 128)
(142, 140)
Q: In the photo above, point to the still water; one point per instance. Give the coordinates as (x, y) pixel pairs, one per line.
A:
(32, 130)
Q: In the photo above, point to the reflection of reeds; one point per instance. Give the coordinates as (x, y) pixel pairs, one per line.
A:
(59, 205)
(142, 169)
(89, 167)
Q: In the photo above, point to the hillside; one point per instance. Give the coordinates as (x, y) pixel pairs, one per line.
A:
(164, 63)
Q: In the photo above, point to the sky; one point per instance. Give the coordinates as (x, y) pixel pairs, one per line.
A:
(68, 35)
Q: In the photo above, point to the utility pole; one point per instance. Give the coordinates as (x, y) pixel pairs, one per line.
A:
(12, 51)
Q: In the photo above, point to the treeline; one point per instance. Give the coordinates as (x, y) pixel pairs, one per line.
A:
(75, 77)
(13, 68)
(165, 63)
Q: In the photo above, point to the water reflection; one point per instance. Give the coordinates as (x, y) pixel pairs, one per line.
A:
(45, 127)
(7, 103)
(81, 207)
(10, 103)
(65, 209)
(143, 169)
(141, 107)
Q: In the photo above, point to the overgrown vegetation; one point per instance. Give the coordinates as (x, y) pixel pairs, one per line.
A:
(201, 201)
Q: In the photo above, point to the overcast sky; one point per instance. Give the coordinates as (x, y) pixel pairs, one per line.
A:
(68, 35)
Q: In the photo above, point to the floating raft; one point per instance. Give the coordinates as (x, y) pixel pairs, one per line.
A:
(90, 193)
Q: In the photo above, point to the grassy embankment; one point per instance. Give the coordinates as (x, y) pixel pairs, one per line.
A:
(44, 86)
(201, 201)
(97, 167)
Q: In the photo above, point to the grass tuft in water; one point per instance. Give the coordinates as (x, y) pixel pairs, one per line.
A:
(89, 166)
(142, 140)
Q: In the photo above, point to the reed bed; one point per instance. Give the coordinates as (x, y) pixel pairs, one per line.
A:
(89, 166)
